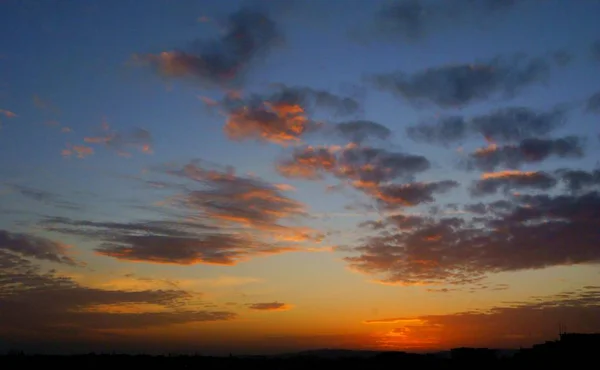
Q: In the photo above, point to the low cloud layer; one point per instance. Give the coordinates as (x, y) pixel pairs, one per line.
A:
(70, 309)
(32, 246)
(512, 325)
(529, 232)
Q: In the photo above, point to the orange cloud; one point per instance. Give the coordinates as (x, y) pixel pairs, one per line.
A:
(81, 151)
(520, 324)
(280, 123)
(507, 173)
(7, 113)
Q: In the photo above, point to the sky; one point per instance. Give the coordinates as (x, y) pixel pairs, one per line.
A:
(271, 176)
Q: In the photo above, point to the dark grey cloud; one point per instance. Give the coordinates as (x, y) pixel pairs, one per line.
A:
(517, 123)
(445, 131)
(37, 304)
(359, 131)
(512, 180)
(313, 98)
(458, 85)
(501, 125)
(37, 247)
(248, 35)
(530, 233)
(412, 194)
(477, 208)
(269, 306)
(527, 151)
(593, 103)
(578, 180)
(363, 166)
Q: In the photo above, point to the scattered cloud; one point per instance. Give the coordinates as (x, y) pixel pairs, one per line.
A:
(270, 306)
(527, 151)
(359, 131)
(529, 232)
(37, 247)
(505, 125)
(491, 183)
(412, 194)
(281, 116)
(224, 219)
(80, 151)
(413, 20)
(593, 103)
(222, 61)
(24, 288)
(137, 138)
(578, 180)
(453, 86)
(7, 113)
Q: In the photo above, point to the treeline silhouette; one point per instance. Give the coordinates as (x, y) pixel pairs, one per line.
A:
(571, 350)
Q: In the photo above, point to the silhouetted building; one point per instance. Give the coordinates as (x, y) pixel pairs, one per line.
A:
(463, 354)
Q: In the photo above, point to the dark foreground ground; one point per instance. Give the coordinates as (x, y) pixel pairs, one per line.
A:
(539, 358)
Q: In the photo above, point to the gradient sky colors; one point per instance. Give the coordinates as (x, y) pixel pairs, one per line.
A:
(270, 176)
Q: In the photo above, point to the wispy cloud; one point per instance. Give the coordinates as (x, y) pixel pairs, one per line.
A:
(270, 306)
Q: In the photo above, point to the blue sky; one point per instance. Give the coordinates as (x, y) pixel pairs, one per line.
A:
(103, 104)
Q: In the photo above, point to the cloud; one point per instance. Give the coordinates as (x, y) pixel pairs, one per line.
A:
(517, 123)
(7, 113)
(504, 125)
(529, 232)
(223, 219)
(281, 116)
(412, 194)
(42, 196)
(445, 131)
(222, 62)
(67, 304)
(80, 151)
(37, 247)
(363, 166)
(359, 131)
(520, 324)
(120, 142)
(593, 103)
(491, 183)
(270, 306)
(527, 151)
(458, 85)
(413, 20)
(578, 180)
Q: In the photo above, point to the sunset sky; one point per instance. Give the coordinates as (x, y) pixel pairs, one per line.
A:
(271, 176)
